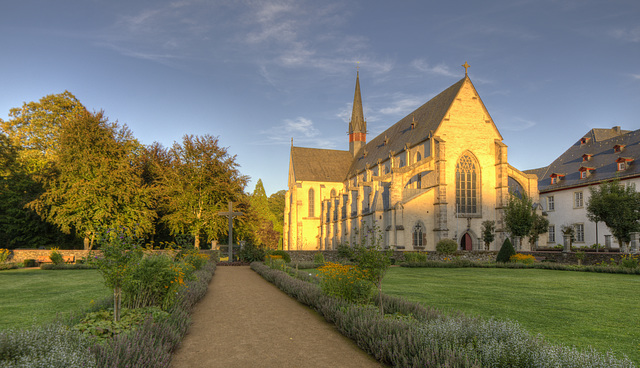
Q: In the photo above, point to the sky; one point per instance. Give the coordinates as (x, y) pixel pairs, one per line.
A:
(258, 73)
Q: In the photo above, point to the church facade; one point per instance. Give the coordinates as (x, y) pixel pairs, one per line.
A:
(437, 173)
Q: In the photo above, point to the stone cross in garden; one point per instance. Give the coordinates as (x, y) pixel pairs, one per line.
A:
(230, 214)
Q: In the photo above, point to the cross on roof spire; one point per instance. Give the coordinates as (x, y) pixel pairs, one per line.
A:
(465, 66)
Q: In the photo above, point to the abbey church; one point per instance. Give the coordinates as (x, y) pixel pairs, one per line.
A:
(437, 173)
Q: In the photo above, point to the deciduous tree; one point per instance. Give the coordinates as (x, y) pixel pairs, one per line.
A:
(202, 178)
(618, 206)
(98, 182)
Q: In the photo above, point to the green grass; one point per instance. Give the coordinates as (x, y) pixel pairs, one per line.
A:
(36, 296)
(570, 308)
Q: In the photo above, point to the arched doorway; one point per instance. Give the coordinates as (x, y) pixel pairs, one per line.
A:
(465, 242)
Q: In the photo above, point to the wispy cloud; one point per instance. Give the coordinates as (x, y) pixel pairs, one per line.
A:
(626, 34)
(636, 76)
(301, 130)
(402, 104)
(439, 69)
(518, 124)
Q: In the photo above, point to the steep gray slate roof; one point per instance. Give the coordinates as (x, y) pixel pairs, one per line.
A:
(427, 118)
(313, 164)
(603, 159)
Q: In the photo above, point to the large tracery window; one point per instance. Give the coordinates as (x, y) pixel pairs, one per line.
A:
(467, 180)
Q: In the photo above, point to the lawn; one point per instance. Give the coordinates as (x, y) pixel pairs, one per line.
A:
(571, 308)
(34, 296)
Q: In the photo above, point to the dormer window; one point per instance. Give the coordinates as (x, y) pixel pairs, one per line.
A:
(584, 140)
(364, 153)
(623, 163)
(586, 157)
(555, 178)
(386, 140)
(585, 172)
(618, 148)
(413, 122)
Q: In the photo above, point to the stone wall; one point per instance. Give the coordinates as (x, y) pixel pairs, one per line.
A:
(19, 255)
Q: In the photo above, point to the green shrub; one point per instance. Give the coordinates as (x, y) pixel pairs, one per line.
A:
(285, 256)
(251, 253)
(101, 325)
(446, 246)
(345, 252)
(29, 262)
(56, 256)
(506, 251)
(318, 258)
(193, 257)
(415, 257)
(154, 281)
(66, 266)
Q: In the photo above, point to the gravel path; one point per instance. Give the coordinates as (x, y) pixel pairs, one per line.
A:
(245, 321)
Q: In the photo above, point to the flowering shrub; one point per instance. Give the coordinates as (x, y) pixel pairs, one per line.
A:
(522, 258)
(629, 261)
(56, 256)
(345, 281)
(4, 255)
(53, 345)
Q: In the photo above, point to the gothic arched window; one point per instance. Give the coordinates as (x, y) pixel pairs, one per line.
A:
(312, 202)
(333, 193)
(467, 183)
(418, 157)
(419, 235)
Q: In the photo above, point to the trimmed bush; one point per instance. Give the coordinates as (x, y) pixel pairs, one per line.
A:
(318, 258)
(415, 257)
(251, 253)
(285, 256)
(506, 251)
(446, 246)
(29, 262)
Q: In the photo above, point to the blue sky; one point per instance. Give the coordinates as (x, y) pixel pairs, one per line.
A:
(257, 73)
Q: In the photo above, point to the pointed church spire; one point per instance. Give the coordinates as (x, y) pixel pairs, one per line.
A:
(357, 125)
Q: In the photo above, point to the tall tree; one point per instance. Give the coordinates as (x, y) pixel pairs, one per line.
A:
(618, 206)
(265, 218)
(34, 126)
(540, 225)
(203, 177)
(98, 183)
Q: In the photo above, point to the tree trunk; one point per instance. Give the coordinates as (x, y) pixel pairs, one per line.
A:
(380, 298)
(117, 292)
(197, 241)
(87, 244)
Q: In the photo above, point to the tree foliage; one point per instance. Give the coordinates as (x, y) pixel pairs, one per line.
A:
(539, 226)
(201, 179)
(34, 126)
(488, 235)
(518, 215)
(98, 182)
(618, 206)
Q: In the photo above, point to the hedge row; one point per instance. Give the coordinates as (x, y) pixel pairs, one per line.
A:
(415, 336)
(543, 266)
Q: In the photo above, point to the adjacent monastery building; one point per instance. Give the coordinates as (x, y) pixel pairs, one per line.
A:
(437, 173)
(600, 155)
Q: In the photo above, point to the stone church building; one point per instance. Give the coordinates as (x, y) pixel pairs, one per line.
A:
(437, 173)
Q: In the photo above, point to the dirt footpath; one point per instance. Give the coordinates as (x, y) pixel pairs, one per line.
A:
(245, 321)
